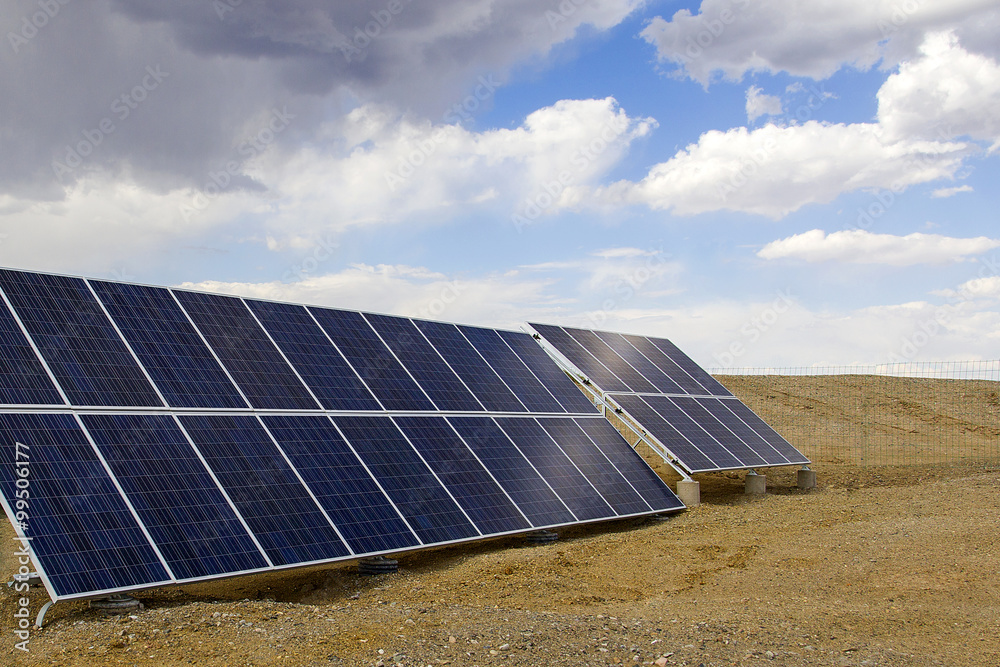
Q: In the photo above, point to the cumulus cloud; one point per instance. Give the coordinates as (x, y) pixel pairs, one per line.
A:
(229, 64)
(774, 170)
(987, 287)
(759, 104)
(864, 247)
(945, 92)
(729, 38)
(374, 166)
(925, 110)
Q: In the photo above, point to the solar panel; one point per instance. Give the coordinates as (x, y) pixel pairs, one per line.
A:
(426, 366)
(170, 349)
(80, 526)
(664, 395)
(377, 366)
(175, 497)
(23, 380)
(77, 340)
(177, 436)
(247, 352)
(488, 387)
(314, 357)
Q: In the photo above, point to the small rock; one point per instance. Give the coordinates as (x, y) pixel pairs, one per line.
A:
(660, 662)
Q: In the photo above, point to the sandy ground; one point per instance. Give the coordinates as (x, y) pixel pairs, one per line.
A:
(890, 565)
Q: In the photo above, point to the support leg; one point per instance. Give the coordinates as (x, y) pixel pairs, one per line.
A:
(41, 614)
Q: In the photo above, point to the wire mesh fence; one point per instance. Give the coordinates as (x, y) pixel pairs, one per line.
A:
(912, 413)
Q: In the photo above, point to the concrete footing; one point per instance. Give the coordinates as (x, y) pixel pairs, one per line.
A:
(756, 485)
(689, 491)
(806, 479)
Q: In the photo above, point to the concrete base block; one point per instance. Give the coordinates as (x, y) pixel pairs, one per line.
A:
(806, 479)
(689, 491)
(756, 485)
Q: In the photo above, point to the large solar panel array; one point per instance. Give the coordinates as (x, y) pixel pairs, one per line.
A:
(174, 436)
(689, 413)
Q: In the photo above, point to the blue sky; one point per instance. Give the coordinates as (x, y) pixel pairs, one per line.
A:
(766, 183)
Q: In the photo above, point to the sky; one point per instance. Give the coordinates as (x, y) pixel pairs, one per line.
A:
(766, 183)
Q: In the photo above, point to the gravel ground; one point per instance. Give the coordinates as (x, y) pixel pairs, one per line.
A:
(878, 566)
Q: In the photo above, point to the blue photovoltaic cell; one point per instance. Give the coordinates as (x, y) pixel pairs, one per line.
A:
(168, 346)
(710, 447)
(478, 494)
(426, 365)
(314, 356)
(247, 353)
(568, 482)
(427, 507)
(742, 451)
(347, 492)
(628, 462)
(595, 466)
(514, 473)
(557, 382)
(284, 518)
(612, 360)
(593, 369)
(705, 379)
(187, 516)
(508, 366)
(692, 457)
(627, 351)
(23, 380)
(80, 345)
(465, 361)
(83, 535)
(373, 361)
(719, 410)
(771, 436)
(665, 364)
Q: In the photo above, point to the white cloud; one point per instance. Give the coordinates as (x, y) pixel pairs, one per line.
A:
(373, 167)
(395, 168)
(987, 287)
(946, 92)
(774, 170)
(864, 247)
(759, 104)
(941, 193)
(813, 39)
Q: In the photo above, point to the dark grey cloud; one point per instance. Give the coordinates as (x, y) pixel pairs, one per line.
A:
(169, 92)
